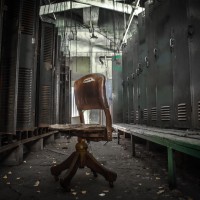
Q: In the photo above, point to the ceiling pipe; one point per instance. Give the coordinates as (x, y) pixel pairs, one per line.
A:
(134, 12)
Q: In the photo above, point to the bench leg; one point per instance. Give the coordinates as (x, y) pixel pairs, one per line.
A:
(171, 168)
(133, 145)
(118, 137)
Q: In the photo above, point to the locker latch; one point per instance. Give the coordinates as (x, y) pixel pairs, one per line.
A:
(172, 43)
(155, 52)
(146, 59)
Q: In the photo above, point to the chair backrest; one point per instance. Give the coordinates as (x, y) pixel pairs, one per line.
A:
(90, 93)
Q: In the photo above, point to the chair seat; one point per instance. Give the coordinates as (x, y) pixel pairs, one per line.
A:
(94, 132)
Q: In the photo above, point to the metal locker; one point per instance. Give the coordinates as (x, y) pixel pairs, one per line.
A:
(193, 33)
(56, 79)
(65, 92)
(163, 63)
(125, 83)
(178, 42)
(27, 65)
(117, 90)
(44, 79)
(68, 95)
(135, 77)
(129, 62)
(1, 22)
(9, 66)
(62, 90)
(150, 17)
(142, 69)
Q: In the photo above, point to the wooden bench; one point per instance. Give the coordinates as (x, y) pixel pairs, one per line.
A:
(187, 142)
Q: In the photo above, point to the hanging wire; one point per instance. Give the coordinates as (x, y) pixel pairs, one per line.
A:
(76, 44)
(113, 18)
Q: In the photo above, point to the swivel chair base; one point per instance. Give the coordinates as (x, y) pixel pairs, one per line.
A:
(79, 159)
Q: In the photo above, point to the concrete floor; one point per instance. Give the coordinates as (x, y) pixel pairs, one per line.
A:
(143, 177)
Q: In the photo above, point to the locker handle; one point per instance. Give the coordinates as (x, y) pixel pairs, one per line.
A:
(172, 42)
(146, 59)
(138, 71)
(190, 31)
(155, 52)
(140, 68)
(133, 75)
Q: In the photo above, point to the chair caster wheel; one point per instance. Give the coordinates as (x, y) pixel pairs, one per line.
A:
(95, 174)
(65, 186)
(56, 178)
(111, 184)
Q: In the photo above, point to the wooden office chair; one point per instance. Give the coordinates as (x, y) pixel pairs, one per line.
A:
(89, 94)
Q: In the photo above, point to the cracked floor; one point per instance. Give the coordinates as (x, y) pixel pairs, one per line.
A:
(143, 177)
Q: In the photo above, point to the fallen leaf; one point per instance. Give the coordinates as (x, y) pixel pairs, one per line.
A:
(160, 192)
(8, 183)
(102, 194)
(72, 190)
(24, 161)
(84, 192)
(157, 178)
(38, 191)
(30, 167)
(87, 173)
(105, 191)
(18, 178)
(74, 193)
(37, 183)
(5, 177)
(140, 184)
(9, 172)
(54, 162)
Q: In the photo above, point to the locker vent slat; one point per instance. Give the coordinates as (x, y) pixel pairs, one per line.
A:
(24, 113)
(45, 105)
(137, 115)
(165, 113)
(182, 112)
(154, 114)
(145, 114)
(48, 43)
(132, 116)
(28, 17)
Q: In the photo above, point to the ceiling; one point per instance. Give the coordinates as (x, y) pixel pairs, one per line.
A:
(105, 19)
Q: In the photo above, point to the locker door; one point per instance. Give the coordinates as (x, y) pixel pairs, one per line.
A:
(150, 17)
(135, 78)
(45, 75)
(1, 22)
(117, 92)
(65, 92)
(9, 66)
(56, 79)
(27, 65)
(62, 89)
(125, 83)
(130, 81)
(142, 67)
(180, 61)
(194, 52)
(164, 65)
(67, 95)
